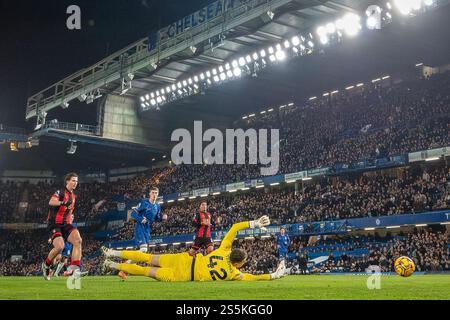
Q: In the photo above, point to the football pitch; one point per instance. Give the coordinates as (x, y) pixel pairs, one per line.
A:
(291, 288)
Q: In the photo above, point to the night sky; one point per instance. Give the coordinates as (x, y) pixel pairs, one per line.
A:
(37, 49)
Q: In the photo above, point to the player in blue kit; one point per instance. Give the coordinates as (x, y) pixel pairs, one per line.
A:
(146, 212)
(283, 242)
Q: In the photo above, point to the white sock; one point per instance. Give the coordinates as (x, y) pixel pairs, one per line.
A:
(115, 253)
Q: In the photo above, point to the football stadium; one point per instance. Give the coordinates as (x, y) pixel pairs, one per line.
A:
(225, 150)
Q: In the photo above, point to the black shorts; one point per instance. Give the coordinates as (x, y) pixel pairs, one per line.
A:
(58, 230)
(201, 243)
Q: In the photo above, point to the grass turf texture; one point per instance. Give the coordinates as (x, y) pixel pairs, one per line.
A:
(291, 287)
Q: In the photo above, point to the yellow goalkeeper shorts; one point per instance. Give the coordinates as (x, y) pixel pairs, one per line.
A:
(175, 267)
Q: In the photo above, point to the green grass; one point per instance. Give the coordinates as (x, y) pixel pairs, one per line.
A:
(291, 287)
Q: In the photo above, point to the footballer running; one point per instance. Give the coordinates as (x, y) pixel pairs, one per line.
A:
(59, 220)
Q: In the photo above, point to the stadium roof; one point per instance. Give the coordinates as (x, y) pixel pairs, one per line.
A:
(244, 33)
(395, 49)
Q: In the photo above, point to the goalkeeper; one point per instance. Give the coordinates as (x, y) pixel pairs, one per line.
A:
(221, 264)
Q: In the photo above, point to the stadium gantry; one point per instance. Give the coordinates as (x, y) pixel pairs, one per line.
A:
(221, 42)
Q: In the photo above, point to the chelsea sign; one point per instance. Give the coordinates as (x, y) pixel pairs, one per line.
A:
(211, 11)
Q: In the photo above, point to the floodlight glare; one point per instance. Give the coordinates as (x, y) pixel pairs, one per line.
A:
(406, 6)
(351, 24)
(220, 69)
(174, 87)
(271, 51)
(223, 76)
(287, 44)
(195, 79)
(324, 40)
(234, 64)
(331, 28)
(229, 74)
(371, 22)
(202, 76)
(153, 102)
(237, 72)
(216, 78)
(143, 99)
(295, 41)
(242, 61)
(208, 74)
(255, 56)
(263, 53)
(416, 4)
(280, 55)
(321, 31)
(227, 66)
(152, 95)
(248, 59)
(147, 97)
(272, 58)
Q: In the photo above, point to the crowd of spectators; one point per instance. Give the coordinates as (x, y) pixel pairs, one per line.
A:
(362, 195)
(32, 246)
(374, 122)
(428, 249)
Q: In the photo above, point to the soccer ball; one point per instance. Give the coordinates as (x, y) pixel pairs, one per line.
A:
(404, 266)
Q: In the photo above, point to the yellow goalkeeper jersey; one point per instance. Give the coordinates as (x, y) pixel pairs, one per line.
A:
(216, 266)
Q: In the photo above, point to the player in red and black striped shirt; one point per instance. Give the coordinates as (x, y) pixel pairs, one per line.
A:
(59, 219)
(202, 222)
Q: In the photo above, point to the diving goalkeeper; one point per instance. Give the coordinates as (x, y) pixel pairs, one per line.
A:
(221, 264)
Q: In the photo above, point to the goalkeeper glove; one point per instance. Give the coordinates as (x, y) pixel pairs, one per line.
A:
(260, 223)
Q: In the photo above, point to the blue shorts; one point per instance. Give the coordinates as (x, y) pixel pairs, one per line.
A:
(141, 236)
(282, 254)
(67, 251)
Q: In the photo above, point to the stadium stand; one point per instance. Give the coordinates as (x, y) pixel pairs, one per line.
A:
(371, 123)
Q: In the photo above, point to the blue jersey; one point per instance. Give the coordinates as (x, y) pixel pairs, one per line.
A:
(283, 242)
(151, 212)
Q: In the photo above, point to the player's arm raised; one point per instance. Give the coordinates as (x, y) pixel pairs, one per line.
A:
(227, 241)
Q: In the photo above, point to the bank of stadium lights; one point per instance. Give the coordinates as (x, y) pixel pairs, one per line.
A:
(408, 7)
(349, 25)
(249, 64)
